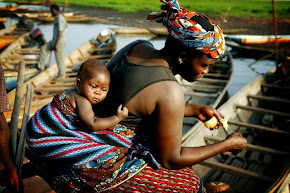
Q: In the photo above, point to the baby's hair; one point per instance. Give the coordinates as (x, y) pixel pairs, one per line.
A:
(90, 66)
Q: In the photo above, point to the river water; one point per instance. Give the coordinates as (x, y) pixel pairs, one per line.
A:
(77, 34)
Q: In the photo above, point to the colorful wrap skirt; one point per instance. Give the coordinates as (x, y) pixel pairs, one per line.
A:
(77, 159)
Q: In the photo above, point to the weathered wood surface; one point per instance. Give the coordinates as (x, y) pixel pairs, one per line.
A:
(260, 114)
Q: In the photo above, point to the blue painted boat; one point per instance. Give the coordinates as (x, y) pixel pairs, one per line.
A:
(11, 77)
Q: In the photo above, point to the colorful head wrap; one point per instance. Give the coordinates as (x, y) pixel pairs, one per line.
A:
(189, 33)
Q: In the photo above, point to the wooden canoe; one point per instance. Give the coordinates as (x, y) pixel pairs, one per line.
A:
(20, 49)
(6, 40)
(44, 14)
(46, 85)
(211, 90)
(11, 77)
(160, 31)
(10, 34)
(258, 39)
(130, 30)
(70, 19)
(261, 113)
(10, 11)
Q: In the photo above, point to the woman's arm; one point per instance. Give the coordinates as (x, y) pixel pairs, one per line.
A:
(170, 111)
(5, 154)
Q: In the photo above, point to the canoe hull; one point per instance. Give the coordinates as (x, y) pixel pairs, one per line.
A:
(261, 117)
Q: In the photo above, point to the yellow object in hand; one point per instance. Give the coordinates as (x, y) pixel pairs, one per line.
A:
(225, 123)
(213, 122)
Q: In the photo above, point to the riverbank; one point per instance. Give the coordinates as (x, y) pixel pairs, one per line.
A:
(254, 26)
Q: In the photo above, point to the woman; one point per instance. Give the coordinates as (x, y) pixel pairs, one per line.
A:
(147, 154)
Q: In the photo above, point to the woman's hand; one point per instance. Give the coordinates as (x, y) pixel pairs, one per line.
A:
(207, 112)
(236, 142)
(12, 176)
(122, 113)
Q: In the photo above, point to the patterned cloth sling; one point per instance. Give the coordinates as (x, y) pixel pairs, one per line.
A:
(55, 132)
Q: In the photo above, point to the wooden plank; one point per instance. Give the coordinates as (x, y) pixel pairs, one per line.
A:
(100, 56)
(236, 171)
(261, 110)
(55, 89)
(258, 127)
(276, 86)
(29, 49)
(212, 80)
(36, 184)
(202, 86)
(217, 75)
(200, 94)
(253, 147)
(269, 99)
(68, 84)
(43, 96)
(63, 80)
(17, 61)
(71, 73)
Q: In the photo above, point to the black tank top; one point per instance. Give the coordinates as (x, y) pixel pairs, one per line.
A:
(127, 80)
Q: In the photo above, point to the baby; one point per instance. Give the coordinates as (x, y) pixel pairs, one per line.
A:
(91, 87)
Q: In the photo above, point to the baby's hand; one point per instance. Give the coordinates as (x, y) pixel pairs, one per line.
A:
(122, 113)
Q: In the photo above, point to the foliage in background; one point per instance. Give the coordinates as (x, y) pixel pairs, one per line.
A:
(224, 8)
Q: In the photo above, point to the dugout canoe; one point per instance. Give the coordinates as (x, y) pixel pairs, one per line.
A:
(6, 40)
(70, 19)
(258, 39)
(162, 31)
(12, 33)
(130, 30)
(23, 48)
(260, 112)
(46, 84)
(211, 90)
(43, 14)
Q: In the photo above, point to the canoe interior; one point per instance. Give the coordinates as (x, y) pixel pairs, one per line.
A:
(261, 113)
(24, 48)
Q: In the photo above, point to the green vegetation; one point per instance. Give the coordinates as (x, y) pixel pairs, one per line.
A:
(229, 8)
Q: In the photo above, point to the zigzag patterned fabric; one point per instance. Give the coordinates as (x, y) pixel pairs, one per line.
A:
(189, 33)
(55, 132)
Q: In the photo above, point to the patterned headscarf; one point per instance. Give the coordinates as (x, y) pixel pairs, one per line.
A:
(189, 33)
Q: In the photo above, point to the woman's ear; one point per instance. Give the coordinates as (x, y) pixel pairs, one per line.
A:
(181, 57)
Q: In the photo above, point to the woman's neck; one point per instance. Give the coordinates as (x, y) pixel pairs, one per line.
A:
(169, 57)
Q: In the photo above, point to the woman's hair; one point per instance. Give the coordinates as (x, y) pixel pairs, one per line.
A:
(174, 49)
(54, 7)
(90, 66)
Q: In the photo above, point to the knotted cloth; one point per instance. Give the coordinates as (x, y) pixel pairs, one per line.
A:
(190, 33)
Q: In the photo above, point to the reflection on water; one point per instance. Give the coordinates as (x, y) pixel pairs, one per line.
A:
(77, 34)
(243, 74)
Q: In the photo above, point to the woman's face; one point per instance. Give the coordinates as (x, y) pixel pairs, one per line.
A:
(95, 87)
(194, 68)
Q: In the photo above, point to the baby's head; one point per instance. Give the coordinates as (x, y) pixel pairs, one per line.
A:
(93, 81)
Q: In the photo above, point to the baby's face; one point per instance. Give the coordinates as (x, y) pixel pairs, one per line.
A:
(95, 87)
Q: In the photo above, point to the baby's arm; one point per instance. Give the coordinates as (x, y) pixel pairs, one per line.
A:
(87, 115)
